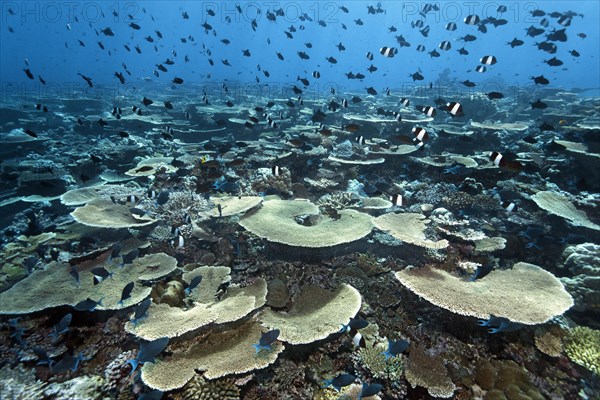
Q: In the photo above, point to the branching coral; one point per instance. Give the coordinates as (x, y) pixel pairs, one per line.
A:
(582, 345)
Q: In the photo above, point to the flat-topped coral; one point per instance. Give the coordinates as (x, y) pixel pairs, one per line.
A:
(559, 205)
(408, 227)
(165, 321)
(106, 214)
(315, 314)
(54, 285)
(151, 166)
(232, 205)
(220, 353)
(276, 221)
(525, 293)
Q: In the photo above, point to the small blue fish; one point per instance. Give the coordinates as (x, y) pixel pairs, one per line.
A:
(115, 250)
(129, 257)
(355, 323)
(395, 347)
(126, 292)
(482, 270)
(339, 381)
(87, 305)
(370, 390)
(62, 326)
(68, 362)
(195, 282)
(100, 274)
(43, 357)
(148, 352)
(266, 340)
(140, 310)
(500, 324)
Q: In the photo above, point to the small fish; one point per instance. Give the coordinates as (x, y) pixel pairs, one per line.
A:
(554, 62)
(62, 326)
(266, 340)
(515, 42)
(494, 95)
(504, 162)
(340, 381)
(100, 274)
(126, 293)
(195, 282)
(332, 60)
(369, 390)
(177, 80)
(87, 305)
(148, 352)
(427, 110)
(539, 104)
(304, 81)
(509, 206)
(445, 45)
(416, 76)
(472, 20)
(41, 107)
(488, 60)
(68, 362)
(395, 347)
(540, 80)
(87, 79)
(480, 68)
(146, 102)
(371, 90)
(120, 76)
(420, 133)
(141, 309)
(388, 52)
(135, 26)
(455, 109)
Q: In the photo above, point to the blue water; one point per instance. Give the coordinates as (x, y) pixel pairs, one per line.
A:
(41, 36)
